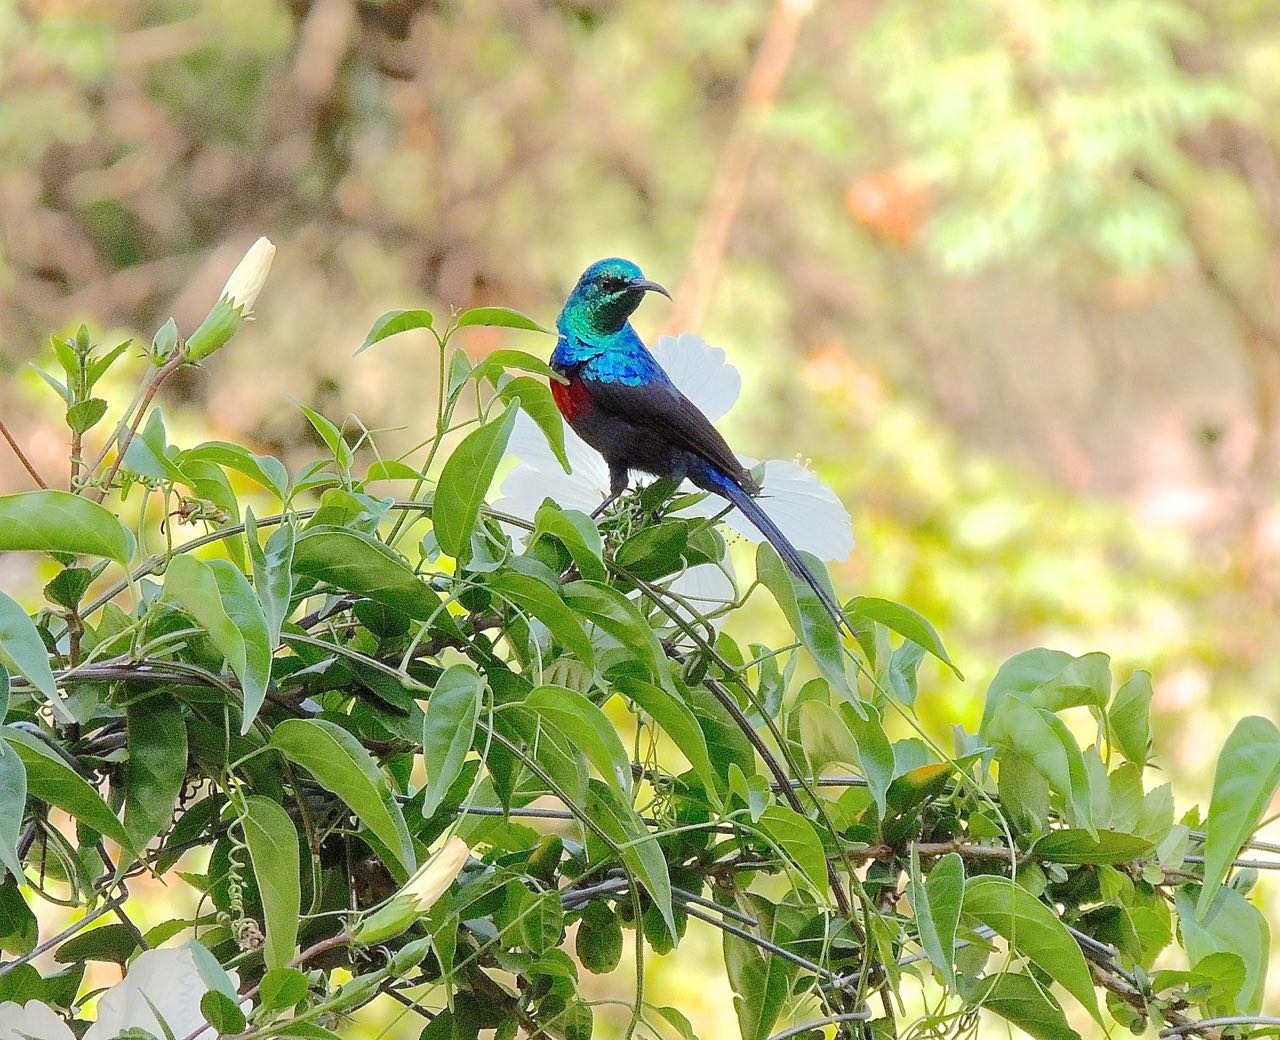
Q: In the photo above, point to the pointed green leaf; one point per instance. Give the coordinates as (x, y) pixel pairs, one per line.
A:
(1243, 785)
(674, 716)
(157, 767)
(393, 323)
(502, 317)
(937, 900)
(340, 764)
(22, 651)
(1033, 930)
(1022, 1000)
(448, 728)
(50, 779)
(797, 838)
(906, 622)
(806, 614)
(591, 730)
(273, 850)
(54, 521)
(538, 599)
(465, 481)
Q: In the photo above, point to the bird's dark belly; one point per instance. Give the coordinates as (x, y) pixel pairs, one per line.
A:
(625, 445)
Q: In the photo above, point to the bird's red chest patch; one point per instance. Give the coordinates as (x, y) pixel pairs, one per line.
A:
(573, 399)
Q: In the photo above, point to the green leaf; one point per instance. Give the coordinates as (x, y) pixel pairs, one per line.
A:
(1022, 1000)
(245, 612)
(536, 400)
(677, 1020)
(221, 1012)
(356, 562)
(936, 901)
(1074, 846)
(1033, 930)
(448, 728)
(23, 651)
(806, 614)
(390, 469)
(797, 838)
(69, 585)
(266, 470)
(640, 850)
(609, 610)
(502, 317)
(86, 415)
(579, 535)
(273, 850)
(1230, 924)
(1243, 785)
(500, 360)
(1129, 719)
(340, 764)
(598, 943)
(272, 572)
(13, 803)
(157, 768)
(281, 988)
(674, 716)
(54, 521)
(1020, 676)
(828, 735)
(761, 981)
(591, 730)
(906, 622)
(1040, 738)
(113, 943)
(875, 753)
(148, 453)
(59, 387)
(393, 323)
(536, 598)
(218, 597)
(50, 779)
(332, 438)
(465, 481)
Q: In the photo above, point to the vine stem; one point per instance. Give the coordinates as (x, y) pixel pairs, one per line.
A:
(26, 462)
(157, 380)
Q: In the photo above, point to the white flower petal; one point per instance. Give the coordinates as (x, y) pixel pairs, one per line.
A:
(169, 980)
(706, 588)
(35, 1020)
(805, 509)
(701, 372)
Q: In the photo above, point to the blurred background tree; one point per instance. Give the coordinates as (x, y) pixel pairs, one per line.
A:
(1005, 271)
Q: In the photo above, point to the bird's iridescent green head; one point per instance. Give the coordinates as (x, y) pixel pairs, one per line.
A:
(605, 297)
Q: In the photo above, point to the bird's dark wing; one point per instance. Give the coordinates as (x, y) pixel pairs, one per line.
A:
(662, 409)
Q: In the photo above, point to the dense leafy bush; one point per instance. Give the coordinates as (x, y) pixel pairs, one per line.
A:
(417, 747)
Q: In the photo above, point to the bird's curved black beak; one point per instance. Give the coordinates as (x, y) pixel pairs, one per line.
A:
(645, 285)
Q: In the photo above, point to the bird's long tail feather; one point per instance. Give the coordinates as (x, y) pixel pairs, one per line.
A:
(718, 483)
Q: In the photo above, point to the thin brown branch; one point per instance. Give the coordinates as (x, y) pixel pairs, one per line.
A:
(26, 462)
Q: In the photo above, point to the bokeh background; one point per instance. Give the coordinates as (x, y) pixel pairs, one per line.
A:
(1007, 272)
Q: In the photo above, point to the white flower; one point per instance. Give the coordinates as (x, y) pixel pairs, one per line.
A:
(247, 279)
(805, 509)
(34, 1020)
(417, 896)
(167, 981)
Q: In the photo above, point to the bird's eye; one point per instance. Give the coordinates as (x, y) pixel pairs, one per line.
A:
(612, 283)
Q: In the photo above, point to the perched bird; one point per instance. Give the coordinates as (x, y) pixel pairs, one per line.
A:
(618, 399)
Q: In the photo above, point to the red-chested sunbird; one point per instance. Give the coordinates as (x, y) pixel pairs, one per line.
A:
(618, 399)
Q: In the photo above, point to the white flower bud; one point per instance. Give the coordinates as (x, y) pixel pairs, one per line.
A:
(430, 882)
(246, 280)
